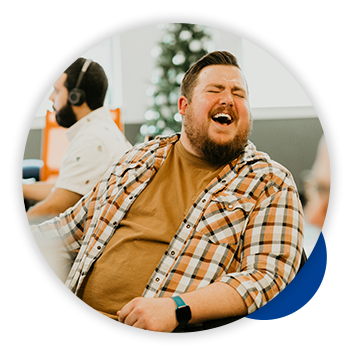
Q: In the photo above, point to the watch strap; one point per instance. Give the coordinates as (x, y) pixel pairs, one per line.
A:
(179, 302)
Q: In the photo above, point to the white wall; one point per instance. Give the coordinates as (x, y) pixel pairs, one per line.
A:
(270, 83)
(128, 62)
(42, 43)
(137, 65)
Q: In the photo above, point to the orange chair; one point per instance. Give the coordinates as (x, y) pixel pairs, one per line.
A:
(55, 145)
(115, 113)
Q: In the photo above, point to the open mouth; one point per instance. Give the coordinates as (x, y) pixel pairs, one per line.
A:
(223, 118)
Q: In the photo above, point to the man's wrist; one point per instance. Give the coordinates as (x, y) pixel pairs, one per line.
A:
(182, 312)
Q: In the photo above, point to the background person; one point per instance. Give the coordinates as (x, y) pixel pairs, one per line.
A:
(317, 188)
(95, 140)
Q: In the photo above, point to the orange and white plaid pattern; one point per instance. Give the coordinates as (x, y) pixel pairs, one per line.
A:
(244, 229)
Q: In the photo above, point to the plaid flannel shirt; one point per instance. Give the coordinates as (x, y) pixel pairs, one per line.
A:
(244, 229)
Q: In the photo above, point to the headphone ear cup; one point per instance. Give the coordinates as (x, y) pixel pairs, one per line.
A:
(76, 97)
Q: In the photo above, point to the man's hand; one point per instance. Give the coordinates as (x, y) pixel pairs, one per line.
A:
(215, 301)
(153, 314)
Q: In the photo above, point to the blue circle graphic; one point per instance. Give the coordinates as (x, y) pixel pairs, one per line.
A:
(301, 290)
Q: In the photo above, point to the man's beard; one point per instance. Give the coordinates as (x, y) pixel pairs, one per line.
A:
(65, 117)
(213, 152)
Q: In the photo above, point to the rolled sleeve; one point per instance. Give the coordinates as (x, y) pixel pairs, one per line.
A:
(63, 235)
(271, 249)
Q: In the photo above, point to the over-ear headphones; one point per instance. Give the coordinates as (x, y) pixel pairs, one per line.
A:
(77, 96)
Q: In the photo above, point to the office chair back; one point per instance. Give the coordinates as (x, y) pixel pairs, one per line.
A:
(55, 145)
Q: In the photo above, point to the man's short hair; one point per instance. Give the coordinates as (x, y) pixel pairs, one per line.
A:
(213, 58)
(94, 83)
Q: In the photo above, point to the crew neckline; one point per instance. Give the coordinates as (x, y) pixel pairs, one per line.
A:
(193, 159)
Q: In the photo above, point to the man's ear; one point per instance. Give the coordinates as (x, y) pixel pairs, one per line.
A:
(182, 105)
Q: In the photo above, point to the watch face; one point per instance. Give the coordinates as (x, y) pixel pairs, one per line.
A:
(183, 314)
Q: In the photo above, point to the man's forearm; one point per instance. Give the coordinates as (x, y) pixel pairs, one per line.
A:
(57, 202)
(218, 300)
(42, 212)
(37, 191)
(215, 301)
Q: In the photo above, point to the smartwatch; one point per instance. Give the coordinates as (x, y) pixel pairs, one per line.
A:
(183, 311)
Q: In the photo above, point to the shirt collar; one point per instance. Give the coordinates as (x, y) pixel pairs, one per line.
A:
(250, 153)
(99, 113)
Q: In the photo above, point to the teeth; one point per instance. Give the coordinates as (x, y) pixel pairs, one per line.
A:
(223, 118)
(222, 115)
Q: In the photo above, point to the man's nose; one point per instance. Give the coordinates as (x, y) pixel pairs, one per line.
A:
(227, 99)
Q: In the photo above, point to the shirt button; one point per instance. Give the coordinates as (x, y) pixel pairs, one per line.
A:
(188, 226)
(98, 247)
(230, 206)
(204, 200)
(115, 223)
(157, 279)
(173, 252)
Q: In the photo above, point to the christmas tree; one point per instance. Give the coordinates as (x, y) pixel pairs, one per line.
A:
(181, 45)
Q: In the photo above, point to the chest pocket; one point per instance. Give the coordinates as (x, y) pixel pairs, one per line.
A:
(225, 219)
